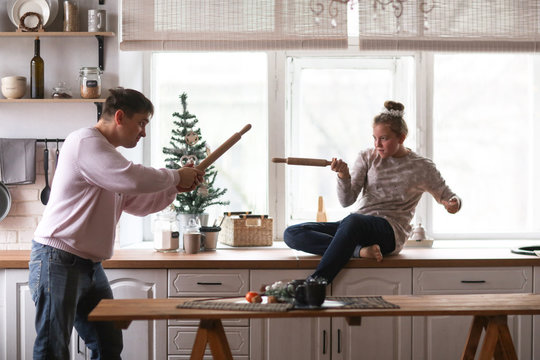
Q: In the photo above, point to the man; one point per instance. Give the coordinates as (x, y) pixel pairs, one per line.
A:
(93, 185)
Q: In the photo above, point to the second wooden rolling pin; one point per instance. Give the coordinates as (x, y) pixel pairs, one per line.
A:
(302, 161)
(214, 155)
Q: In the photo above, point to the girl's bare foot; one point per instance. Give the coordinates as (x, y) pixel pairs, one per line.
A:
(373, 252)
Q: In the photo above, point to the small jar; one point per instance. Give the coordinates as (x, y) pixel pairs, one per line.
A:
(61, 91)
(192, 236)
(165, 230)
(90, 81)
(71, 15)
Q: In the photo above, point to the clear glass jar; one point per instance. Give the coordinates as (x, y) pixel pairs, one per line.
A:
(71, 15)
(90, 81)
(165, 231)
(61, 91)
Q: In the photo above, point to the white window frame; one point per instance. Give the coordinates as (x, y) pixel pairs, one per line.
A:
(279, 115)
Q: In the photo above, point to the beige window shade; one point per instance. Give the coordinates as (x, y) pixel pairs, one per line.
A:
(230, 25)
(449, 25)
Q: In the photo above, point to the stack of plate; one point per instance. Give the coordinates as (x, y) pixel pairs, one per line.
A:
(48, 9)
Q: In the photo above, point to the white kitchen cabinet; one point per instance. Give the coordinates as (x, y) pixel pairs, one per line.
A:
(207, 283)
(325, 338)
(143, 340)
(375, 338)
(431, 338)
(536, 318)
(19, 315)
(3, 345)
(284, 339)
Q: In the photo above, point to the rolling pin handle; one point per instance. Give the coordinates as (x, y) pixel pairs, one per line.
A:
(245, 129)
(279, 160)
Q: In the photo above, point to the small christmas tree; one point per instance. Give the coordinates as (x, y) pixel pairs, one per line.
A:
(188, 147)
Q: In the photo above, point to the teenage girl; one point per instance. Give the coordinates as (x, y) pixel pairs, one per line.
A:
(390, 180)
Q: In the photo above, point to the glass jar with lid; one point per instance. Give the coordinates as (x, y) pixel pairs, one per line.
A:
(90, 81)
(165, 229)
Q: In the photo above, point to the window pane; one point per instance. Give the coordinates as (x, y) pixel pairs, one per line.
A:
(484, 137)
(225, 92)
(333, 105)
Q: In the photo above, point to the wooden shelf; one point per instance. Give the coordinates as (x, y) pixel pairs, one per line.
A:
(55, 34)
(40, 101)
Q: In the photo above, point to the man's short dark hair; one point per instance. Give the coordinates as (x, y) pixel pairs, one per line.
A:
(129, 101)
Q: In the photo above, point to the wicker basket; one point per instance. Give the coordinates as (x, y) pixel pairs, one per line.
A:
(251, 230)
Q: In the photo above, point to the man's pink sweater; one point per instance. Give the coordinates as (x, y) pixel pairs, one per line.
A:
(93, 184)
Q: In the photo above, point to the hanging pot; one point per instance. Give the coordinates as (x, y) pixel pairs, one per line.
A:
(5, 201)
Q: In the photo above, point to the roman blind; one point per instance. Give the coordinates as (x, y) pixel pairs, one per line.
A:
(449, 25)
(230, 25)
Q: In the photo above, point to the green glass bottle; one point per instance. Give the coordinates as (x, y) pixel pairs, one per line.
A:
(37, 77)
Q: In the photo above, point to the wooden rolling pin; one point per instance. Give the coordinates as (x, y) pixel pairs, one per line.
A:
(214, 155)
(302, 161)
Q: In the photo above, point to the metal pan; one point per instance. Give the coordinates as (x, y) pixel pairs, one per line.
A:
(5, 201)
(526, 250)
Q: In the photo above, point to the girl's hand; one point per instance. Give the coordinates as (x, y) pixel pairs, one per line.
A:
(452, 205)
(341, 168)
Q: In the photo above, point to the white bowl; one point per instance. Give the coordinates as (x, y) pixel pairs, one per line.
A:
(13, 87)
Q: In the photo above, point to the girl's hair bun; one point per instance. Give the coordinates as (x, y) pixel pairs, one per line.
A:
(393, 105)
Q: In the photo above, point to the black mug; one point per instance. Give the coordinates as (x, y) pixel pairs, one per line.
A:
(296, 290)
(315, 293)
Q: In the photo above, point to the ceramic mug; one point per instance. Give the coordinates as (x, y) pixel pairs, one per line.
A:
(97, 20)
(209, 237)
(308, 292)
(192, 243)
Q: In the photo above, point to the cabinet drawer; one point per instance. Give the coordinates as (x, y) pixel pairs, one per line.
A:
(211, 283)
(206, 357)
(181, 339)
(472, 280)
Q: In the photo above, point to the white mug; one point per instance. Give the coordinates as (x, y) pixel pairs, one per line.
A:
(97, 20)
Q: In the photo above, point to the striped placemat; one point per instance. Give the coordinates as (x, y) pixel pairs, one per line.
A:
(219, 304)
(348, 302)
(363, 302)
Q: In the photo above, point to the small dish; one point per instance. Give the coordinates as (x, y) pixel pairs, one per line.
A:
(20, 7)
(325, 305)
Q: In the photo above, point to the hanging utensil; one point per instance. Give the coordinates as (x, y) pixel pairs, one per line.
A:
(5, 201)
(57, 155)
(47, 190)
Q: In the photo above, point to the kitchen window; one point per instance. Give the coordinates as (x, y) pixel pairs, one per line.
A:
(473, 114)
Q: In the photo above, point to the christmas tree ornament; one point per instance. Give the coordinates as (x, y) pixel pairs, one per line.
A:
(203, 190)
(191, 138)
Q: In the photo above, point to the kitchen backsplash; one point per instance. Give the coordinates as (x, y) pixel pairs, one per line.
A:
(17, 228)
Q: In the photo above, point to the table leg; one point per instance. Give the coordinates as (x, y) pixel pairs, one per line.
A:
(211, 332)
(478, 324)
(498, 341)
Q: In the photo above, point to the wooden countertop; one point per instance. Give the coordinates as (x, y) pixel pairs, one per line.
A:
(279, 258)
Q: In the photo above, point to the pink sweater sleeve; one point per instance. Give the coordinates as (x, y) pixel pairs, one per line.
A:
(105, 167)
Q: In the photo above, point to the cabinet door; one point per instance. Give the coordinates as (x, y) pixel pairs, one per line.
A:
(20, 332)
(143, 339)
(386, 338)
(536, 318)
(3, 313)
(284, 339)
(444, 337)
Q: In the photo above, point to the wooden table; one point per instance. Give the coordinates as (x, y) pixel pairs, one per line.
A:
(489, 313)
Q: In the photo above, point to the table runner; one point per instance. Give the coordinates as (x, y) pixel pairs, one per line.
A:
(349, 302)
